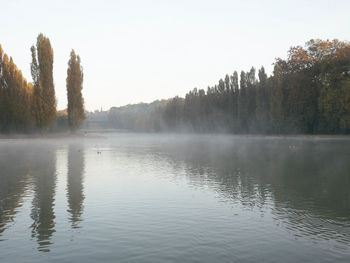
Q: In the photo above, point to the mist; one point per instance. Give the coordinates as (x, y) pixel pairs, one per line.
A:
(184, 188)
(184, 131)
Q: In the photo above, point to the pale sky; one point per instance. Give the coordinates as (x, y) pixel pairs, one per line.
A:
(140, 51)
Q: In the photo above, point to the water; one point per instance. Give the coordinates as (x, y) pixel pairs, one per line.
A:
(158, 198)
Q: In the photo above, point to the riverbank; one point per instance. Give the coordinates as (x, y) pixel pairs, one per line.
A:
(104, 133)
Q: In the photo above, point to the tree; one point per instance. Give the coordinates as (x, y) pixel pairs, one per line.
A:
(333, 81)
(173, 112)
(276, 109)
(44, 100)
(251, 99)
(262, 102)
(15, 97)
(235, 92)
(76, 114)
(243, 103)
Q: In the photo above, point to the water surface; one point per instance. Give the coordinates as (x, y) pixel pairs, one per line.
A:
(167, 198)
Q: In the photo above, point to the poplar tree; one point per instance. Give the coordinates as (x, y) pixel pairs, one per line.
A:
(44, 99)
(235, 92)
(276, 109)
(76, 114)
(15, 97)
(262, 102)
(251, 99)
(243, 103)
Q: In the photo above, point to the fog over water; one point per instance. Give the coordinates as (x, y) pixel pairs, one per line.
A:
(175, 198)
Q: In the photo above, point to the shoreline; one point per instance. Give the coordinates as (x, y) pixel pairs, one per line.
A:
(100, 134)
(38, 136)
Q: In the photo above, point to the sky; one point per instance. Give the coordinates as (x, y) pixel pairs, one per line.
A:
(140, 51)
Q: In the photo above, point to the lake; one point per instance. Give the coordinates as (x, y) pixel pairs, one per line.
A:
(175, 198)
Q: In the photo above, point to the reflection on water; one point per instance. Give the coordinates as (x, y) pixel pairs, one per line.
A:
(32, 169)
(306, 182)
(44, 183)
(13, 184)
(75, 190)
(302, 185)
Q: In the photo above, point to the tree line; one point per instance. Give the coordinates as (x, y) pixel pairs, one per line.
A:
(309, 92)
(31, 106)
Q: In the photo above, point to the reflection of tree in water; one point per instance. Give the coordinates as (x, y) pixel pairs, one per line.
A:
(313, 185)
(305, 183)
(44, 180)
(14, 180)
(75, 191)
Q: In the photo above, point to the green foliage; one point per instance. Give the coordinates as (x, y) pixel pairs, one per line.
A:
(262, 103)
(309, 92)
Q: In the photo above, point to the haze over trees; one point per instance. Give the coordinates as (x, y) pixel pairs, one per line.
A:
(76, 114)
(142, 117)
(309, 92)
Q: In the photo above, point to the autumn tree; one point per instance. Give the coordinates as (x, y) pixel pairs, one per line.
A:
(333, 84)
(74, 81)
(308, 92)
(44, 100)
(15, 97)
